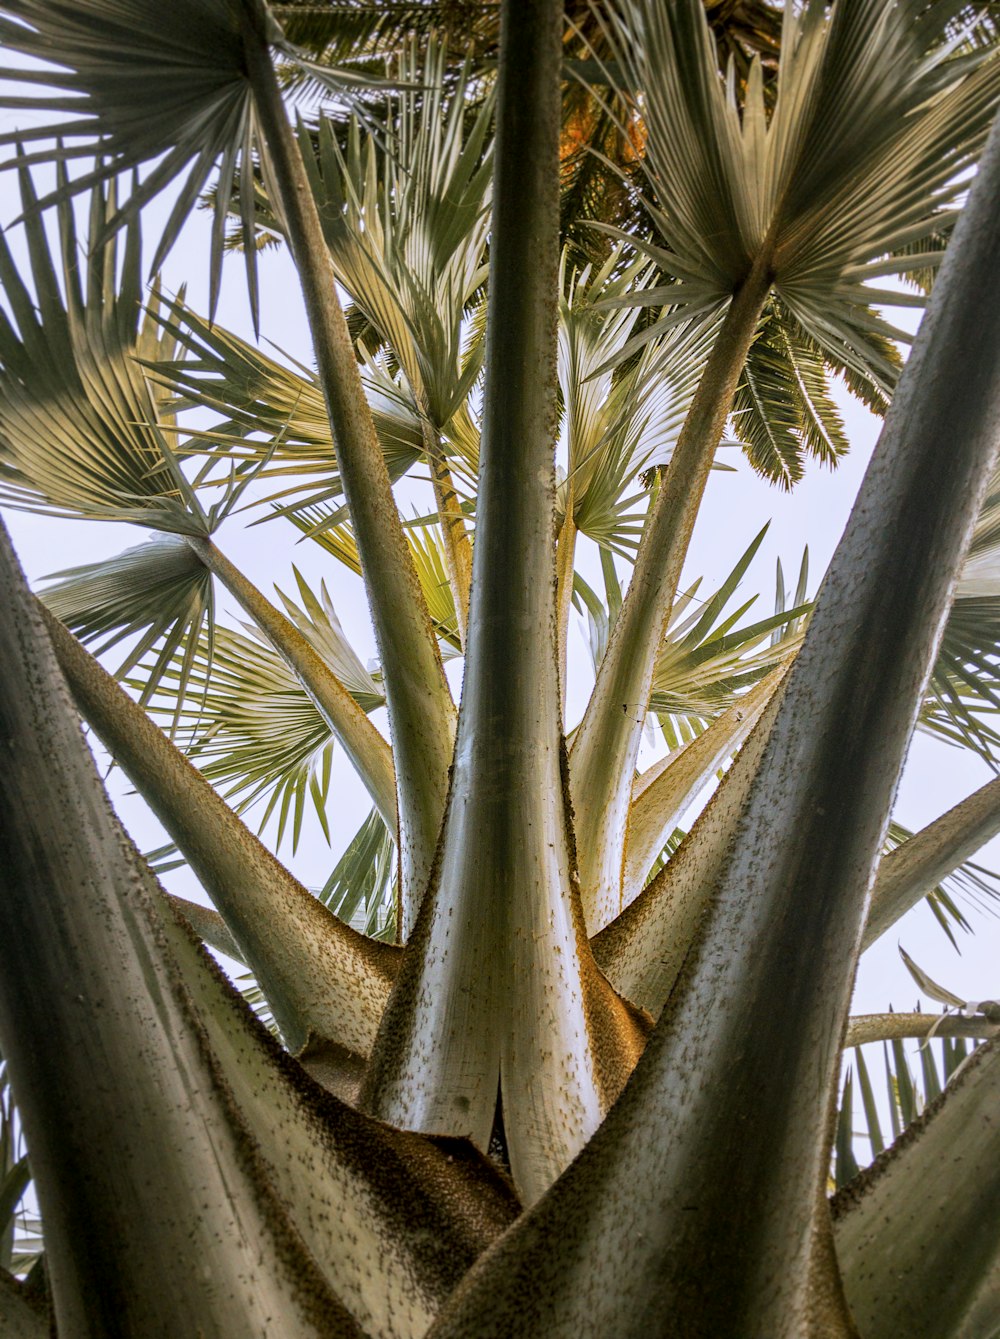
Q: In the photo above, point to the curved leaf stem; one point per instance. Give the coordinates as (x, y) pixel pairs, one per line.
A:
(421, 712)
(913, 869)
(324, 981)
(602, 763)
(457, 545)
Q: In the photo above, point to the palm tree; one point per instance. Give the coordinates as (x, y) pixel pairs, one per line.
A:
(533, 1061)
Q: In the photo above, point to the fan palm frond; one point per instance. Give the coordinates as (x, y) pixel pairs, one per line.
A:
(407, 223)
(782, 411)
(255, 731)
(963, 700)
(877, 116)
(166, 86)
(159, 593)
(361, 888)
(709, 657)
(619, 420)
(271, 415)
(80, 432)
(250, 725)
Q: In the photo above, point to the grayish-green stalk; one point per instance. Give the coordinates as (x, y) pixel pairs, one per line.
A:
(910, 871)
(918, 1233)
(607, 742)
(497, 986)
(421, 713)
(181, 1235)
(326, 983)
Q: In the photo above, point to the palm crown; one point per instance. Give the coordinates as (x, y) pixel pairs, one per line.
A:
(527, 1011)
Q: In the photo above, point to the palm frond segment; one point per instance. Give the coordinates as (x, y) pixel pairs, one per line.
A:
(160, 85)
(253, 730)
(620, 419)
(963, 698)
(361, 888)
(81, 435)
(271, 418)
(250, 725)
(159, 594)
(406, 221)
(782, 411)
(878, 113)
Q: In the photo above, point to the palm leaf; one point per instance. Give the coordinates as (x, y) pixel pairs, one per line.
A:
(324, 525)
(969, 882)
(617, 424)
(361, 888)
(427, 548)
(80, 432)
(318, 621)
(166, 86)
(964, 690)
(159, 593)
(406, 222)
(782, 410)
(274, 416)
(709, 657)
(251, 726)
(876, 117)
(254, 732)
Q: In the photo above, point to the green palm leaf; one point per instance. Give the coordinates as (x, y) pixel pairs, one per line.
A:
(782, 410)
(159, 593)
(254, 731)
(361, 888)
(617, 423)
(165, 85)
(406, 218)
(971, 883)
(318, 621)
(80, 432)
(324, 525)
(876, 118)
(427, 548)
(708, 658)
(271, 415)
(251, 727)
(964, 692)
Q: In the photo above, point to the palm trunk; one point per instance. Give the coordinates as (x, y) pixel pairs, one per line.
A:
(421, 713)
(18, 1319)
(643, 950)
(607, 743)
(368, 751)
(209, 926)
